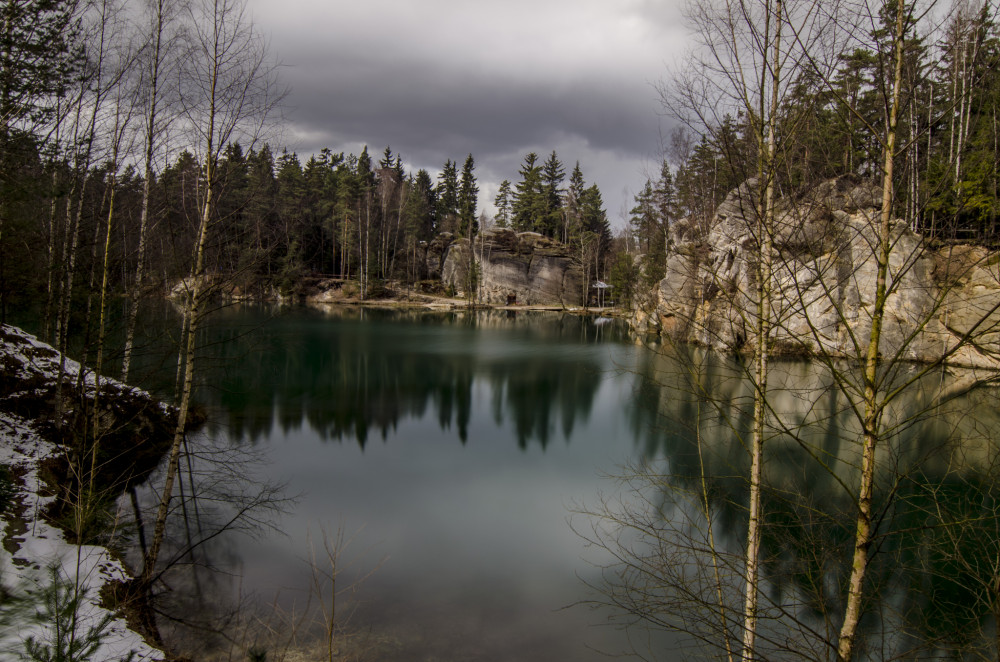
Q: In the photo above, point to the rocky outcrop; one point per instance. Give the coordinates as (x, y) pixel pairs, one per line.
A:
(942, 302)
(44, 465)
(434, 255)
(526, 268)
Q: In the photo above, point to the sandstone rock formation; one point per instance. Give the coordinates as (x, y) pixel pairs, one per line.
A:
(943, 299)
(524, 267)
(434, 255)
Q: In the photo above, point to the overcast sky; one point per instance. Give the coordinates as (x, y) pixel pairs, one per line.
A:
(439, 79)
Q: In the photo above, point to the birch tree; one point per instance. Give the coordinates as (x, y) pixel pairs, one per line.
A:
(748, 55)
(231, 93)
(108, 65)
(158, 93)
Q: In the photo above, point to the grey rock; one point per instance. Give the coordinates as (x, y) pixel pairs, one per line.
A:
(434, 255)
(942, 303)
(526, 267)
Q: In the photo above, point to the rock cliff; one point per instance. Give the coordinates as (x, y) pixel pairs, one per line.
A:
(524, 267)
(943, 298)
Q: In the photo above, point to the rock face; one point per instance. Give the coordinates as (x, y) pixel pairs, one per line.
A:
(434, 255)
(942, 300)
(526, 268)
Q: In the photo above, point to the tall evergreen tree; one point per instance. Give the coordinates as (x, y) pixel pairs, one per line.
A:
(571, 205)
(529, 200)
(291, 256)
(643, 217)
(552, 177)
(503, 202)
(468, 193)
(388, 160)
(447, 197)
(232, 174)
(665, 196)
(38, 57)
(593, 215)
(262, 199)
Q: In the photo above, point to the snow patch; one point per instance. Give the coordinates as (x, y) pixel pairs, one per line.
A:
(26, 570)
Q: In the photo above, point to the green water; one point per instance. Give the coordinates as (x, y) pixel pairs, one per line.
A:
(472, 460)
(453, 450)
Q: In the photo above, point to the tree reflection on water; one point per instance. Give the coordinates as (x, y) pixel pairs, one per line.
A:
(678, 526)
(678, 522)
(485, 378)
(350, 373)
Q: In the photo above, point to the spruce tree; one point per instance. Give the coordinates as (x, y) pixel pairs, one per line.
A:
(594, 216)
(552, 177)
(468, 192)
(447, 198)
(291, 212)
(665, 196)
(571, 206)
(503, 204)
(426, 200)
(387, 161)
(529, 201)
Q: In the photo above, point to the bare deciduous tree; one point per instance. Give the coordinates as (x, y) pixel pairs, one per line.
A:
(231, 93)
(158, 96)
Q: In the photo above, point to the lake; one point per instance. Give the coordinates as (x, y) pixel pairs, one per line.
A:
(451, 449)
(492, 485)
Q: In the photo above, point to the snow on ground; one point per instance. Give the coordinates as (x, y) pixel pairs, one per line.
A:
(26, 572)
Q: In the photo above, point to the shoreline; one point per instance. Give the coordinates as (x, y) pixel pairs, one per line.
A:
(39, 555)
(461, 305)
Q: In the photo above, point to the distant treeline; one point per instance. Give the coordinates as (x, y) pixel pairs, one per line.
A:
(276, 219)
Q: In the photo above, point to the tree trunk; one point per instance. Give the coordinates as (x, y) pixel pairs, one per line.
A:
(193, 312)
(765, 230)
(140, 269)
(864, 530)
(192, 315)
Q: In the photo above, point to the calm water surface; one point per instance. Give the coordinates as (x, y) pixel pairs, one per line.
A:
(454, 453)
(451, 449)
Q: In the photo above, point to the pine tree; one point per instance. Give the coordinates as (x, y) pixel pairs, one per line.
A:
(503, 204)
(529, 201)
(643, 217)
(552, 177)
(447, 198)
(38, 59)
(366, 209)
(468, 192)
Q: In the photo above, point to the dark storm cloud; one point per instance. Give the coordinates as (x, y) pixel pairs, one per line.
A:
(441, 79)
(455, 112)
